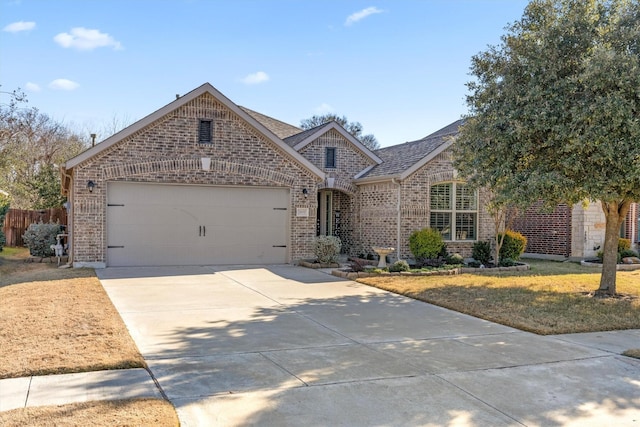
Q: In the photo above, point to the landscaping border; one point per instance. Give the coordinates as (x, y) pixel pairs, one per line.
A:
(312, 264)
(619, 267)
(352, 275)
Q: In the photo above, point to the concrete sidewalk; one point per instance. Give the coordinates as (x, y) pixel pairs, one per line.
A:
(79, 387)
(284, 345)
(137, 383)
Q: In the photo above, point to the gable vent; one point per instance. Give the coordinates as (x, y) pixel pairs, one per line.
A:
(204, 132)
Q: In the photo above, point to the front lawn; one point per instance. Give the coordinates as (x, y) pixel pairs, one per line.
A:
(55, 321)
(550, 298)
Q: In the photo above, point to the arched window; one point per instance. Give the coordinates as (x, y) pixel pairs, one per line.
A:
(454, 211)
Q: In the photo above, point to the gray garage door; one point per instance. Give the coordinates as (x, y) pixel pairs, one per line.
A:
(152, 224)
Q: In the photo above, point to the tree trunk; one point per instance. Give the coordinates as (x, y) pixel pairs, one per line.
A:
(615, 212)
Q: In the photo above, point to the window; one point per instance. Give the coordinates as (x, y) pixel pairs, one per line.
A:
(204, 132)
(454, 211)
(330, 158)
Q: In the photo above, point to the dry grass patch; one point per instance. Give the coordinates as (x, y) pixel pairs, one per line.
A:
(142, 412)
(551, 298)
(55, 321)
(635, 352)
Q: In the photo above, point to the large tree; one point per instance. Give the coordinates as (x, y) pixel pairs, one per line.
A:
(354, 128)
(32, 146)
(554, 112)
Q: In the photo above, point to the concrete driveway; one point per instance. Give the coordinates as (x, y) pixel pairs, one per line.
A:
(288, 346)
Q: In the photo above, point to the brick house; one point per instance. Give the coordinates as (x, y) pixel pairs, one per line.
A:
(574, 232)
(205, 181)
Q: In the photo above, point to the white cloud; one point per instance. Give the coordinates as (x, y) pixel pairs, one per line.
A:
(86, 39)
(256, 78)
(32, 87)
(16, 27)
(360, 15)
(63, 84)
(324, 108)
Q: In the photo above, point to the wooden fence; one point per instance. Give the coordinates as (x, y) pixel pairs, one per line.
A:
(18, 220)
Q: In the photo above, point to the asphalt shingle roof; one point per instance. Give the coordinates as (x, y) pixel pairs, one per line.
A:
(281, 129)
(398, 158)
(293, 140)
(395, 159)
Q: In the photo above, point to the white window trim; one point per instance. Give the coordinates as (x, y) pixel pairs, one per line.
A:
(453, 211)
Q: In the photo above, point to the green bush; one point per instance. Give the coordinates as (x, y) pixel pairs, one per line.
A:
(513, 245)
(399, 266)
(455, 259)
(4, 208)
(39, 237)
(507, 262)
(628, 253)
(624, 244)
(426, 244)
(327, 248)
(481, 252)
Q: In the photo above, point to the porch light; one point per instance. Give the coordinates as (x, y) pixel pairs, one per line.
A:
(305, 192)
(91, 185)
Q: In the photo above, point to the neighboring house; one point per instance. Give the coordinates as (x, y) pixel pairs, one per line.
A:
(204, 181)
(572, 232)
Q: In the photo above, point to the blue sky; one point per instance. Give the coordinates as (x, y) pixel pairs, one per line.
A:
(398, 67)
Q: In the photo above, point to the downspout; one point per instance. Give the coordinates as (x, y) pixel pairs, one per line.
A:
(398, 213)
(67, 190)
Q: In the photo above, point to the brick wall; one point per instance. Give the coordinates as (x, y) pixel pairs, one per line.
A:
(546, 233)
(378, 209)
(167, 151)
(349, 162)
(376, 216)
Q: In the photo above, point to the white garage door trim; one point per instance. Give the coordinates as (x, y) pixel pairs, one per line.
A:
(166, 224)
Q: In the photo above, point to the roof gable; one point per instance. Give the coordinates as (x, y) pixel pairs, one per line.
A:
(301, 140)
(179, 102)
(402, 160)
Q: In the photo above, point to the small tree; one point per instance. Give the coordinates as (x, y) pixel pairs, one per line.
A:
(554, 112)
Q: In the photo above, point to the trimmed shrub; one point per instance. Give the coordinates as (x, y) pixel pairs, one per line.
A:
(482, 252)
(513, 245)
(398, 266)
(426, 244)
(623, 244)
(455, 259)
(40, 236)
(327, 248)
(628, 253)
(507, 262)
